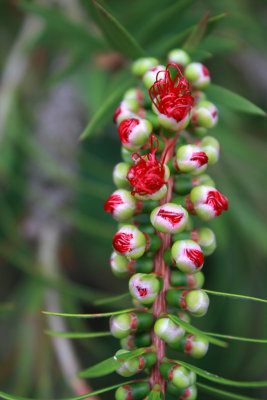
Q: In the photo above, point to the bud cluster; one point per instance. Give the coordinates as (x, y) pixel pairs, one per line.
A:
(162, 189)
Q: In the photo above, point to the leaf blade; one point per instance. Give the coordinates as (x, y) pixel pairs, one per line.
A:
(77, 335)
(238, 338)
(223, 393)
(235, 296)
(98, 315)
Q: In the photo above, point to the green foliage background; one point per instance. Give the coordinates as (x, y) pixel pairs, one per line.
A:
(235, 53)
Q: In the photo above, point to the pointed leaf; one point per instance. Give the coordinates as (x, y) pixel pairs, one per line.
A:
(235, 296)
(98, 315)
(112, 299)
(232, 100)
(223, 393)
(7, 396)
(77, 335)
(110, 365)
(238, 338)
(117, 35)
(197, 33)
(105, 112)
(218, 379)
(195, 331)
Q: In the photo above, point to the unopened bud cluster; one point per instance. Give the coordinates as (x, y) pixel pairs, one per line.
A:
(162, 189)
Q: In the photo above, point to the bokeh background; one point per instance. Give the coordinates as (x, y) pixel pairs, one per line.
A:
(57, 69)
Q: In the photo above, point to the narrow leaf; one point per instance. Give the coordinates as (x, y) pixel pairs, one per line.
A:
(111, 299)
(195, 331)
(109, 365)
(197, 33)
(105, 112)
(238, 338)
(218, 379)
(117, 35)
(77, 335)
(98, 315)
(227, 98)
(235, 296)
(7, 396)
(223, 393)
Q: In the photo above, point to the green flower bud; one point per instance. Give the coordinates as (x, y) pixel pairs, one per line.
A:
(169, 218)
(144, 288)
(196, 302)
(127, 109)
(135, 340)
(191, 159)
(208, 202)
(211, 147)
(192, 281)
(179, 57)
(198, 75)
(142, 65)
(120, 265)
(119, 175)
(126, 155)
(205, 115)
(134, 94)
(192, 346)
(168, 331)
(206, 239)
(199, 131)
(123, 325)
(134, 391)
(122, 205)
(129, 241)
(178, 375)
(187, 256)
(189, 393)
(151, 75)
(136, 364)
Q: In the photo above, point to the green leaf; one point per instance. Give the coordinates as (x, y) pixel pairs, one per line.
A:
(218, 379)
(98, 315)
(117, 35)
(197, 33)
(111, 299)
(195, 331)
(7, 396)
(77, 335)
(105, 112)
(223, 393)
(238, 338)
(235, 296)
(227, 98)
(110, 365)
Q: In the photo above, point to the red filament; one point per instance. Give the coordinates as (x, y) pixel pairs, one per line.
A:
(112, 203)
(195, 256)
(147, 175)
(217, 201)
(126, 127)
(171, 216)
(142, 291)
(122, 242)
(172, 97)
(200, 157)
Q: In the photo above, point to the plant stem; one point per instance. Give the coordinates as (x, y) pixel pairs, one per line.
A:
(162, 269)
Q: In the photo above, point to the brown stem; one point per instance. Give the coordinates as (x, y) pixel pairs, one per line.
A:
(162, 269)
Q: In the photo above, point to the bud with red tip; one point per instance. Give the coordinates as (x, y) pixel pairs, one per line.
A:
(187, 256)
(133, 391)
(179, 57)
(136, 364)
(168, 331)
(208, 202)
(191, 159)
(206, 239)
(205, 115)
(211, 146)
(119, 175)
(192, 281)
(122, 205)
(192, 346)
(196, 302)
(180, 376)
(123, 325)
(198, 75)
(130, 241)
(169, 218)
(144, 288)
(134, 132)
(135, 340)
(127, 109)
(134, 94)
(189, 393)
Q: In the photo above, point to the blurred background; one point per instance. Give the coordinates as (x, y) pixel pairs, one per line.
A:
(57, 69)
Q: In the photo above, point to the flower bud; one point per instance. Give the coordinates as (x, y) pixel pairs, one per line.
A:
(130, 242)
(187, 256)
(126, 155)
(180, 376)
(206, 239)
(134, 94)
(208, 202)
(192, 346)
(152, 74)
(122, 205)
(134, 132)
(211, 146)
(134, 391)
(183, 184)
(123, 325)
(169, 218)
(179, 57)
(205, 115)
(120, 265)
(198, 75)
(192, 281)
(119, 175)
(142, 65)
(189, 393)
(196, 302)
(199, 131)
(168, 331)
(144, 287)
(127, 109)
(136, 364)
(191, 159)
(135, 340)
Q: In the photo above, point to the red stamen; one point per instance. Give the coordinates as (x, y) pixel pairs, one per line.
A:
(112, 203)
(217, 201)
(171, 216)
(125, 129)
(205, 71)
(200, 157)
(142, 291)
(122, 242)
(172, 97)
(195, 256)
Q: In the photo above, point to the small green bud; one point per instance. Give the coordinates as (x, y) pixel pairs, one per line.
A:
(151, 75)
(168, 331)
(198, 75)
(196, 302)
(192, 346)
(205, 115)
(123, 325)
(144, 288)
(206, 239)
(211, 147)
(142, 65)
(119, 175)
(136, 364)
(169, 218)
(180, 376)
(192, 281)
(120, 265)
(134, 94)
(134, 391)
(179, 57)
